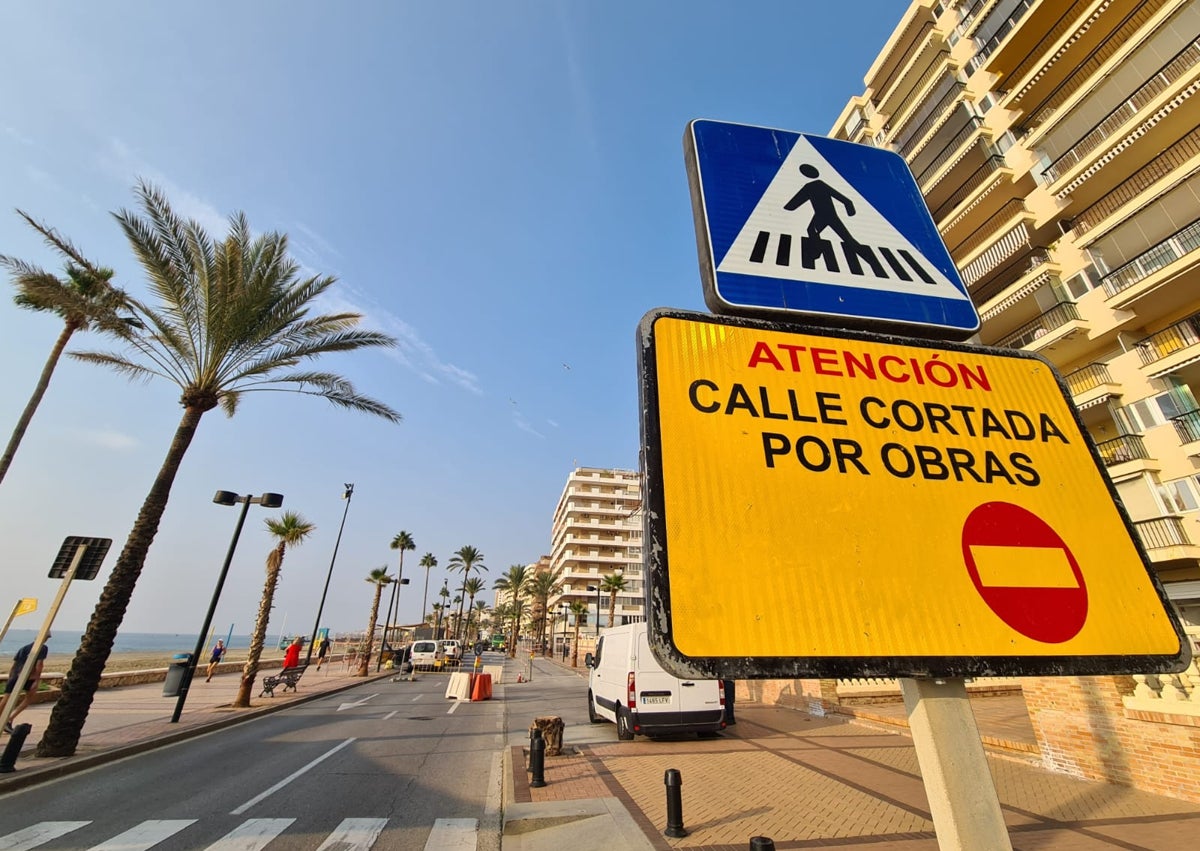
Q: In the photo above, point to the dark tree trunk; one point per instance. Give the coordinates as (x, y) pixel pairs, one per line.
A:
(79, 687)
(364, 663)
(259, 638)
(31, 406)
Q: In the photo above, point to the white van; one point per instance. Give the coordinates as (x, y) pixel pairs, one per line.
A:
(626, 685)
(426, 655)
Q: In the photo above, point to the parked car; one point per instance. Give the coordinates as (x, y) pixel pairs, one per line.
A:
(426, 655)
(626, 685)
(452, 651)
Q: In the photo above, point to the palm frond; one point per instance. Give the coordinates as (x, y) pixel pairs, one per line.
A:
(131, 370)
(229, 402)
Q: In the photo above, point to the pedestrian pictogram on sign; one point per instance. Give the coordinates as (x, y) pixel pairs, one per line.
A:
(796, 224)
(849, 505)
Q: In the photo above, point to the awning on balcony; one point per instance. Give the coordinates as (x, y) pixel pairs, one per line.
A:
(1167, 370)
(1091, 403)
(1009, 301)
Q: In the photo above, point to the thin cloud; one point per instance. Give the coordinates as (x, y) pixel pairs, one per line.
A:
(103, 439)
(524, 425)
(17, 136)
(123, 162)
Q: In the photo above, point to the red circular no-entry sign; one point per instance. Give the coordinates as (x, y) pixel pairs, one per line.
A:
(993, 536)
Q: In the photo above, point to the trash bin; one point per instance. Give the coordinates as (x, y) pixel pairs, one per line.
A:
(180, 663)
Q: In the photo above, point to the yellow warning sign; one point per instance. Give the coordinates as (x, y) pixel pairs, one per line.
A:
(862, 497)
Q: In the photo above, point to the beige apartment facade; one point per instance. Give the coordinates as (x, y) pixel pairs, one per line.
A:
(597, 532)
(1057, 144)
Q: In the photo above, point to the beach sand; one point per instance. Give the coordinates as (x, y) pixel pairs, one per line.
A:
(58, 663)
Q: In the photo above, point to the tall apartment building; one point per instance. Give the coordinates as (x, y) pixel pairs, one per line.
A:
(1057, 144)
(597, 530)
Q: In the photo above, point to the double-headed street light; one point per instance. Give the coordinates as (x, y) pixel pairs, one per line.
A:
(349, 492)
(392, 605)
(267, 500)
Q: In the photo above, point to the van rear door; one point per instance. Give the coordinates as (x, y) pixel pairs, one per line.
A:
(658, 693)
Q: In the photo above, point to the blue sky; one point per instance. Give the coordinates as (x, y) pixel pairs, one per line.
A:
(499, 185)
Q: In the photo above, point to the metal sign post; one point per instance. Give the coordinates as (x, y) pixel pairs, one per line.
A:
(78, 558)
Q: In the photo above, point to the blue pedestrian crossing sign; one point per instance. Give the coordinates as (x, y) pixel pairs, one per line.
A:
(791, 225)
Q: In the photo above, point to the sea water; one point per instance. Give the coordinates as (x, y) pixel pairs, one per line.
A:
(66, 640)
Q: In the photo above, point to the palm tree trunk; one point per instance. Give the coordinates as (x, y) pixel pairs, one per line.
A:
(259, 637)
(79, 687)
(365, 661)
(39, 391)
(425, 594)
(612, 607)
(458, 623)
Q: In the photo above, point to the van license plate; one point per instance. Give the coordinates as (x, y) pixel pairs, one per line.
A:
(656, 698)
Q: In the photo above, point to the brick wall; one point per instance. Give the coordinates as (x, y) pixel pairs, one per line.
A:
(1083, 729)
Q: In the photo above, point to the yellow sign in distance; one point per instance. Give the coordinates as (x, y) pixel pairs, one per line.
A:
(860, 504)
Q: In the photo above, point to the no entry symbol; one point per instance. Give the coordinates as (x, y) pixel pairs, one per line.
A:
(1025, 572)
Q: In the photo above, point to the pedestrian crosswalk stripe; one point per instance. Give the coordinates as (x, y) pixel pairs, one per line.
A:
(38, 834)
(354, 834)
(145, 835)
(453, 834)
(842, 239)
(252, 834)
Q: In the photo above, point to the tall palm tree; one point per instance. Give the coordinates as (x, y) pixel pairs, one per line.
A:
(233, 317)
(613, 583)
(83, 299)
(464, 561)
(513, 583)
(428, 561)
(541, 588)
(403, 541)
(289, 530)
(379, 578)
(578, 608)
(471, 587)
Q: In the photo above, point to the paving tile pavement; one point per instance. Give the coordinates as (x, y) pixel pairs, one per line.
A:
(810, 782)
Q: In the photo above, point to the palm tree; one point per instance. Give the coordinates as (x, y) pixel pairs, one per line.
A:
(403, 541)
(444, 593)
(428, 562)
(379, 578)
(464, 561)
(290, 530)
(513, 583)
(84, 298)
(541, 587)
(234, 317)
(612, 583)
(471, 587)
(578, 608)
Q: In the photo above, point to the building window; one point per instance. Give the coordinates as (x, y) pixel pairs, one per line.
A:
(1086, 280)
(1144, 414)
(1179, 495)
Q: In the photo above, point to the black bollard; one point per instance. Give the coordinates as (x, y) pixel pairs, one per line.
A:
(16, 741)
(674, 782)
(537, 759)
(762, 843)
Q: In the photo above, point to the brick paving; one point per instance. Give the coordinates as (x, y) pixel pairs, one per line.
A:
(811, 782)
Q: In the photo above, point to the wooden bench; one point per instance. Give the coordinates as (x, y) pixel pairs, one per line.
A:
(288, 678)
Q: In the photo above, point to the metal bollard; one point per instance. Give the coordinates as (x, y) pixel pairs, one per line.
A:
(762, 843)
(674, 782)
(537, 759)
(16, 741)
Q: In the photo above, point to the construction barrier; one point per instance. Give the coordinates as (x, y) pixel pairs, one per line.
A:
(495, 672)
(459, 686)
(482, 690)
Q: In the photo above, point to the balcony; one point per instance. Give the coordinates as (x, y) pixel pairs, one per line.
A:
(1104, 130)
(986, 48)
(1091, 385)
(1169, 341)
(1127, 447)
(1162, 532)
(1174, 247)
(1187, 426)
(1058, 317)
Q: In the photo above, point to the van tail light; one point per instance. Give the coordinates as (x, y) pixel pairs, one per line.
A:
(721, 694)
(630, 692)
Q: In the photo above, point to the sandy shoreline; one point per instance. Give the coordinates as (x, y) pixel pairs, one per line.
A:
(58, 663)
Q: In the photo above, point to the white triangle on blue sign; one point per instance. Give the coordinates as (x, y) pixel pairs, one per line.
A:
(830, 235)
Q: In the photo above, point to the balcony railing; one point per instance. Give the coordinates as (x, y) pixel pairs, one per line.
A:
(952, 147)
(1055, 317)
(1162, 79)
(1187, 426)
(1127, 447)
(1156, 257)
(1162, 532)
(970, 186)
(1168, 341)
(988, 47)
(1087, 378)
(940, 100)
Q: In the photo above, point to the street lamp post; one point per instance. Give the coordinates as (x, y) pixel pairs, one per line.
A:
(395, 596)
(346, 495)
(563, 612)
(596, 588)
(267, 500)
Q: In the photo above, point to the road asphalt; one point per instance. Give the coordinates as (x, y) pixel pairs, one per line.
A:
(801, 780)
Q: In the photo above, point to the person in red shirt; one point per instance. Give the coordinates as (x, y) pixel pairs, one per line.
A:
(291, 656)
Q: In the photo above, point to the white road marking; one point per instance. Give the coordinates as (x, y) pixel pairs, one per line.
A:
(354, 834)
(391, 715)
(146, 835)
(453, 706)
(285, 781)
(415, 699)
(357, 702)
(38, 834)
(453, 834)
(251, 835)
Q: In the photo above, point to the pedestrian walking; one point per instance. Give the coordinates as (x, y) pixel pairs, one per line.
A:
(321, 651)
(729, 688)
(566, 650)
(31, 684)
(218, 653)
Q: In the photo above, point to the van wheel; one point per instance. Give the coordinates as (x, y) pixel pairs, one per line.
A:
(624, 726)
(592, 716)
